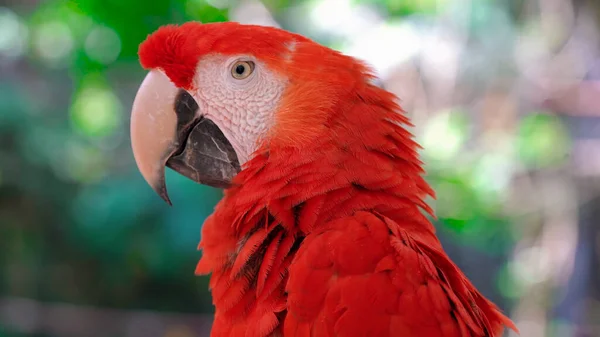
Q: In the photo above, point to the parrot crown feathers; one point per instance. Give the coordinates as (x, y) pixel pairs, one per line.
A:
(176, 49)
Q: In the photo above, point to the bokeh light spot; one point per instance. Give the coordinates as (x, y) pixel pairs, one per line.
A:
(13, 34)
(532, 265)
(96, 112)
(444, 135)
(53, 42)
(341, 17)
(492, 175)
(379, 48)
(543, 140)
(103, 45)
(329, 15)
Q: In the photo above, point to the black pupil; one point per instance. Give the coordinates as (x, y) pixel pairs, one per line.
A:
(240, 69)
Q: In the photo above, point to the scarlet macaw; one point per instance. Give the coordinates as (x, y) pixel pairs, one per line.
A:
(321, 230)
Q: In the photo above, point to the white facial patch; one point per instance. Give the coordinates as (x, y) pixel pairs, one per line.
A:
(244, 109)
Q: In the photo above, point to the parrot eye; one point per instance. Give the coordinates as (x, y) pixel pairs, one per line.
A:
(242, 69)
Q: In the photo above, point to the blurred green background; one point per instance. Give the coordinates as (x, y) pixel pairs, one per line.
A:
(504, 95)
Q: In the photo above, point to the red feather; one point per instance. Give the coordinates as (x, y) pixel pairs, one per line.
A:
(324, 232)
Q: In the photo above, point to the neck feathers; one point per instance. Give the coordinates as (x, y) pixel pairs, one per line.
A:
(366, 160)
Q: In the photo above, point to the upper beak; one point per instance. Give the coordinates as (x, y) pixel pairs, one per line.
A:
(167, 129)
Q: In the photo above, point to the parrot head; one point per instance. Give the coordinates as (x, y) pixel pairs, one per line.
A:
(217, 93)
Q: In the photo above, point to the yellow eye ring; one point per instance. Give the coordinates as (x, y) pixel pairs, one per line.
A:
(242, 69)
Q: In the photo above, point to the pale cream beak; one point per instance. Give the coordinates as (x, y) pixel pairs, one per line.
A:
(167, 129)
(154, 128)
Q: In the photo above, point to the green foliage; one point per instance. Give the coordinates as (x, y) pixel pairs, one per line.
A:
(76, 214)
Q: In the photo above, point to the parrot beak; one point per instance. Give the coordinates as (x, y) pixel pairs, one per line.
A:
(167, 129)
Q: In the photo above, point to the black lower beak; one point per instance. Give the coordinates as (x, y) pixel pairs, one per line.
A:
(206, 156)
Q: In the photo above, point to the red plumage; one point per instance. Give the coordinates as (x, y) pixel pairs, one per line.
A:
(323, 233)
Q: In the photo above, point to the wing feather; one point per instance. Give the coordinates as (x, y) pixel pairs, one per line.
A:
(365, 276)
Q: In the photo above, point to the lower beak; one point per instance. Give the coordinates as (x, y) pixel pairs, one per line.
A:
(167, 129)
